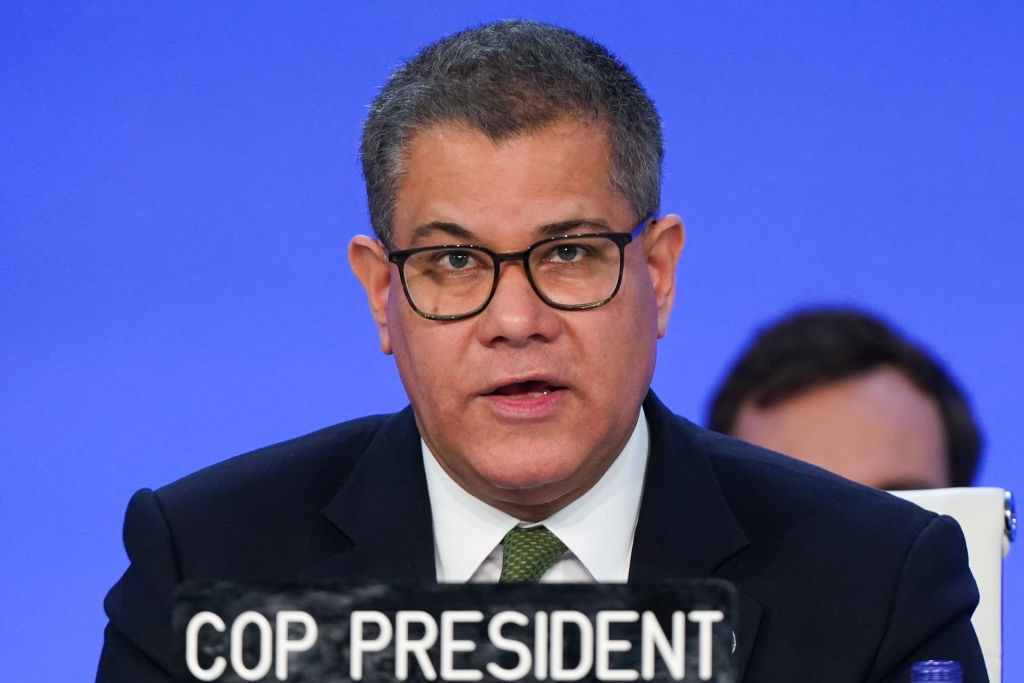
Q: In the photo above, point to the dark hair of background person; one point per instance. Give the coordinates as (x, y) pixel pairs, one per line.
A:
(815, 347)
(506, 79)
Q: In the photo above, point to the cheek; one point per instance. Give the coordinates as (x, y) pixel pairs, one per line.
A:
(422, 352)
(402, 332)
(638, 324)
(639, 287)
(626, 337)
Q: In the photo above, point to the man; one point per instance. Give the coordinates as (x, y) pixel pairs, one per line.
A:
(841, 389)
(521, 276)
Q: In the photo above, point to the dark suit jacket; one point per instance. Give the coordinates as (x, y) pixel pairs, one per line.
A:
(837, 582)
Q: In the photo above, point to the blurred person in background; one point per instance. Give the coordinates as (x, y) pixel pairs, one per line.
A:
(842, 389)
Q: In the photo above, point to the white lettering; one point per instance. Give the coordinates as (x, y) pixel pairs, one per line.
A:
(265, 651)
(605, 645)
(405, 645)
(540, 646)
(498, 639)
(192, 646)
(559, 619)
(705, 619)
(653, 638)
(284, 645)
(359, 644)
(568, 645)
(450, 645)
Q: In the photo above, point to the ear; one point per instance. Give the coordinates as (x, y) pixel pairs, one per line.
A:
(370, 264)
(663, 243)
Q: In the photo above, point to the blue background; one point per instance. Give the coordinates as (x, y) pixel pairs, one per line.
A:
(179, 181)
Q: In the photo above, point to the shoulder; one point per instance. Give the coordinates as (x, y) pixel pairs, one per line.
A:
(264, 507)
(760, 483)
(859, 574)
(794, 519)
(800, 523)
(319, 461)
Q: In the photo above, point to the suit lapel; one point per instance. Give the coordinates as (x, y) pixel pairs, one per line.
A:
(384, 511)
(686, 527)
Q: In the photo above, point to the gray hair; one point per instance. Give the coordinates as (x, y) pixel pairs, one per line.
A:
(506, 79)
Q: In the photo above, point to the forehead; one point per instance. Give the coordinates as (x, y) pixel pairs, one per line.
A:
(457, 175)
(878, 429)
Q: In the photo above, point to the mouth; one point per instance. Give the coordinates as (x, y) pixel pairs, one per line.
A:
(526, 390)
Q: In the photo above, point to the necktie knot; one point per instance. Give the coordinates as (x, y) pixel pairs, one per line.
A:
(528, 552)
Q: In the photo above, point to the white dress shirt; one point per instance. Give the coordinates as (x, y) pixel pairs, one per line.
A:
(597, 527)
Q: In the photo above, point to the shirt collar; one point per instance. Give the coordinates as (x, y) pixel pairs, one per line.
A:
(597, 527)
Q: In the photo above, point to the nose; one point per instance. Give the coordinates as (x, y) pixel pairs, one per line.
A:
(516, 315)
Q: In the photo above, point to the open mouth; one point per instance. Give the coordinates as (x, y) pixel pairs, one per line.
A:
(531, 389)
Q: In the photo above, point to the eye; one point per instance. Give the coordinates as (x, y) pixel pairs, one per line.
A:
(448, 263)
(452, 260)
(568, 253)
(456, 260)
(562, 253)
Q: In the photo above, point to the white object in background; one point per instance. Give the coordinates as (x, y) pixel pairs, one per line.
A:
(988, 519)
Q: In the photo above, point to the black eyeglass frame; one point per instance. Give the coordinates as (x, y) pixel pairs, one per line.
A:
(399, 257)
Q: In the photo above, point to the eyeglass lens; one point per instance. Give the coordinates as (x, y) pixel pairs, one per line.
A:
(570, 272)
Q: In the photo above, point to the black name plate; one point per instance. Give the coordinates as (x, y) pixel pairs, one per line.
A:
(667, 631)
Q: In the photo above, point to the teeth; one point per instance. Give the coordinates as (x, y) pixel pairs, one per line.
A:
(526, 390)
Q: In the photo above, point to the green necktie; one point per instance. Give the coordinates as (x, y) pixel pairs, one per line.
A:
(528, 552)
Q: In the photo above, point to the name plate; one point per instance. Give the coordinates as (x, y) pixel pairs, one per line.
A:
(326, 633)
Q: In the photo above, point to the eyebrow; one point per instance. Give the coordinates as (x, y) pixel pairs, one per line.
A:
(573, 226)
(422, 232)
(464, 236)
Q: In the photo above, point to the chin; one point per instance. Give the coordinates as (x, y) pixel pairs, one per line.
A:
(537, 480)
(536, 497)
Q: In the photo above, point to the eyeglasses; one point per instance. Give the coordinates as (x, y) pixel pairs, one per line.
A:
(570, 273)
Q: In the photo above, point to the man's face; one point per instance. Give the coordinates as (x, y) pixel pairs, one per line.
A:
(877, 429)
(525, 406)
